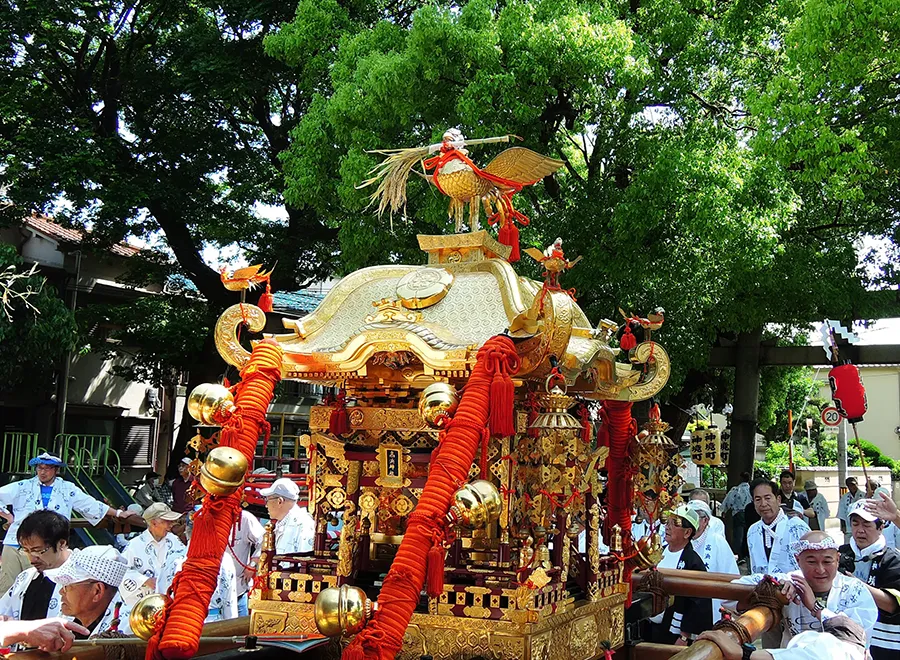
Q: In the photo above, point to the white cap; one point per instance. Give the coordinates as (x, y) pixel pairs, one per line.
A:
(283, 487)
(858, 508)
(186, 460)
(134, 587)
(701, 507)
(97, 562)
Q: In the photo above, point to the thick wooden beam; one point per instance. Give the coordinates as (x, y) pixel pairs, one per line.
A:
(786, 356)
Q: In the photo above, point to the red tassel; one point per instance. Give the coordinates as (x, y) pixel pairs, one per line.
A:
(353, 652)
(585, 415)
(434, 570)
(532, 406)
(503, 394)
(509, 235)
(339, 422)
(483, 460)
(603, 431)
(628, 340)
(266, 300)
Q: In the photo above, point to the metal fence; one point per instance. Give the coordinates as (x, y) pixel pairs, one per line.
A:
(18, 448)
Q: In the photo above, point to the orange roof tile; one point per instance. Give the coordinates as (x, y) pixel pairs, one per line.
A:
(46, 226)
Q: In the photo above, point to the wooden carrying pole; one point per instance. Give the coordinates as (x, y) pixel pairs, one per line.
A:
(133, 648)
(695, 584)
(766, 602)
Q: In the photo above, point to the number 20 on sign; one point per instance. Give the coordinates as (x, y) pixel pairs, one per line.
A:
(831, 416)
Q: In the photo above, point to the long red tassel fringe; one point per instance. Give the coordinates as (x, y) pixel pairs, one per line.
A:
(382, 638)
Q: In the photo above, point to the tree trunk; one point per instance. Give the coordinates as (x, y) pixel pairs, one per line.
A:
(207, 370)
(746, 405)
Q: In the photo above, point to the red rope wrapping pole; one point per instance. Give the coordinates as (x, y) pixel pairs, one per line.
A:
(193, 587)
(622, 428)
(382, 638)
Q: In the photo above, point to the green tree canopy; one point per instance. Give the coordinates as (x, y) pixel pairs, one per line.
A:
(36, 328)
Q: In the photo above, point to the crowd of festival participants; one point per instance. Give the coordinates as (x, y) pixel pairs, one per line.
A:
(843, 598)
(54, 595)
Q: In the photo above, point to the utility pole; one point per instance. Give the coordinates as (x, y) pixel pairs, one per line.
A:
(842, 453)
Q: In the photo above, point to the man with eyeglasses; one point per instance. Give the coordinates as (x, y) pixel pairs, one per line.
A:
(44, 492)
(90, 581)
(44, 538)
(295, 529)
(686, 617)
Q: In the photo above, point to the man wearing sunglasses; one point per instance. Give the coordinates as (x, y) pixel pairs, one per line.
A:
(686, 617)
(44, 538)
(45, 492)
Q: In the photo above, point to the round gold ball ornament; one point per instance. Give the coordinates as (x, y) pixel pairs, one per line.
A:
(224, 471)
(437, 404)
(475, 505)
(146, 616)
(211, 404)
(342, 610)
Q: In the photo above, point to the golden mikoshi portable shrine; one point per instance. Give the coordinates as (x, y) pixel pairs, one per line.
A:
(478, 412)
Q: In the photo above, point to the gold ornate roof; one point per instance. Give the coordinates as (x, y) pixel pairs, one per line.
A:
(417, 324)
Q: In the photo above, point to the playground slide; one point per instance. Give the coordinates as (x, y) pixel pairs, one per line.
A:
(88, 535)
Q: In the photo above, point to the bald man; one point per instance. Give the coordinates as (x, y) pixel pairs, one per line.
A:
(818, 592)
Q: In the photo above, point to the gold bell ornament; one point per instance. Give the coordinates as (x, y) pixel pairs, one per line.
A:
(476, 505)
(342, 610)
(224, 471)
(211, 404)
(437, 404)
(146, 616)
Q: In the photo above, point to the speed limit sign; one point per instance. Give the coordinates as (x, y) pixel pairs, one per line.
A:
(831, 416)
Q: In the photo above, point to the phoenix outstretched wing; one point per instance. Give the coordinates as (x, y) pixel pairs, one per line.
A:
(523, 166)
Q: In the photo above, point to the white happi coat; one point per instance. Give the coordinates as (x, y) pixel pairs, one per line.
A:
(105, 624)
(224, 602)
(11, 603)
(737, 498)
(849, 596)
(295, 532)
(718, 557)
(820, 505)
(247, 535)
(845, 503)
(817, 646)
(147, 555)
(717, 527)
(25, 497)
(781, 560)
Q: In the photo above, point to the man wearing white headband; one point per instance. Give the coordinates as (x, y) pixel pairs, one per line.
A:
(45, 491)
(818, 592)
(90, 581)
(713, 550)
(868, 558)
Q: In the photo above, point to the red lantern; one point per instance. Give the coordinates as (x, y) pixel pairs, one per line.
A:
(848, 392)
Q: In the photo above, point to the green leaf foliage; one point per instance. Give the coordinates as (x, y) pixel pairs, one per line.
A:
(35, 336)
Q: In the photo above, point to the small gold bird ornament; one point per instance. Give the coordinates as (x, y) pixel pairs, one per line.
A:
(451, 171)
